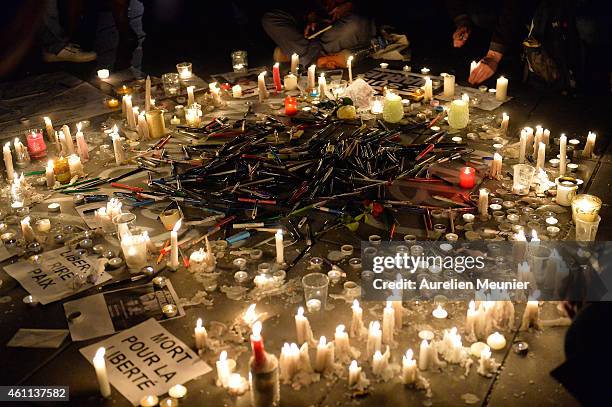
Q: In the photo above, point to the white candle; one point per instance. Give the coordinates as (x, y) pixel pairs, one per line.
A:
(289, 361)
(148, 93)
(43, 225)
(529, 132)
(178, 391)
(100, 366)
(485, 365)
(26, 230)
(143, 127)
(280, 248)
(374, 342)
(76, 167)
(470, 319)
(149, 401)
(322, 355)
(290, 82)
(49, 175)
(190, 95)
(49, 127)
(562, 155)
(483, 203)
(223, 369)
(134, 249)
(496, 341)
(305, 358)
(546, 137)
(129, 111)
(174, 253)
(428, 88)
(236, 91)
(590, 145)
(424, 355)
(349, 65)
(439, 312)
(215, 92)
(118, 148)
(202, 261)
(302, 327)
(523, 147)
(311, 76)
(501, 89)
(322, 85)
(103, 73)
(409, 368)
(379, 362)
(82, 147)
(388, 326)
(449, 85)
(261, 87)
(473, 66)
(541, 156)
(496, 165)
(295, 61)
(175, 120)
(531, 315)
(201, 336)
(358, 329)
(354, 374)
(341, 341)
(8, 161)
(504, 124)
(69, 143)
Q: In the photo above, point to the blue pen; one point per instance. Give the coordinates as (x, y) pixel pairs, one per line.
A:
(329, 210)
(238, 237)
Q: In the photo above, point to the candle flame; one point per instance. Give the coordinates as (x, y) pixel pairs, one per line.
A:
(100, 353)
(409, 354)
(257, 329)
(389, 304)
(424, 343)
(354, 365)
(322, 341)
(485, 353)
(472, 306)
(199, 323)
(534, 236)
(340, 329)
(356, 305)
(223, 356)
(177, 225)
(79, 125)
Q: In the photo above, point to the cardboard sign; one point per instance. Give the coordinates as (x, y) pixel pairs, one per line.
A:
(113, 311)
(147, 359)
(402, 82)
(53, 279)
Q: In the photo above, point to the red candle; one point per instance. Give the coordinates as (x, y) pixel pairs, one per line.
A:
(259, 354)
(36, 144)
(276, 76)
(467, 177)
(290, 106)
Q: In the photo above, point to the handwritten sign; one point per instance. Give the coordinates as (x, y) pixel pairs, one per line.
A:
(147, 359)
(401, 82)
(54, 278)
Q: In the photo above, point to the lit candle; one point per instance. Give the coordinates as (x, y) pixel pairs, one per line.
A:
(75, 165)
(82, 147)
(49, 175)
(322, 355)
(8, 161)
(467, 177)
(322, 86)
(237, 385)
(118, 148)
(424, 355)
(143, 127)
(504, 124)
(439, 312)
(473, 66)
(496, 341)
(358, 329)
(585, 207)
(449, 85)
(193, 116)
(190, 95)
(223, 369)
(178, 391)
(103, 73)
(202, 261)
(531, 316)
(174, 253)
(134, 249)
(523, 147)
(302, 327)
(409, 368)
(428, 88)
(36, 144)
(291, 82)
(562, 155)
(290, 106)
(201, 336)
(261, 86)
(289, 361)
(388, 326)
(349, 65)
(149, 401)
(541, 156)
(377, 106)
(341, 342)
(483, 203)
(501, 89)
(100, 366)
(496, 166)
(49, 127)
(257, 346)
(393, 109)
(69, 143)
(236, 91)
(470, 320)
(26, 230)
(215, 92)
(276, 77)
(175, 121)
(354, 374)
(280, 248)
(590, 145)
(485, 365)
(380, 362)
(295, 61)
(374, 342)
(459, 113)
(129, 111)
(311, 76)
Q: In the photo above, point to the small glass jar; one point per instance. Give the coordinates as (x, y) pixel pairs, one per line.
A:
(61, 169)
(240, 62)
(171, 84)
(184, 70)
(36, 144)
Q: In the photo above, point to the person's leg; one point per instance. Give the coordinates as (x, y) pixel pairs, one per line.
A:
(283, 28)
(128, 40)
(70, 13)
(52, 36)
(349, 32)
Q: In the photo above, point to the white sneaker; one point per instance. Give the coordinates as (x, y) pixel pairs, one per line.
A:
(70, 53)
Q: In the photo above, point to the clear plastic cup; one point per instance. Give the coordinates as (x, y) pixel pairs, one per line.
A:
(523, 174)
(315, 286)
(585, 230)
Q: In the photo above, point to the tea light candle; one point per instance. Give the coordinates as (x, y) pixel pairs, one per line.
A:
(178, 391)
(496, 341)
(134, 249)
(377, 106)
(236, 91)
(290, 106)
(43, 225)
(590, 145)
(101, 374)
(449, 85)
(290, 82)
(201, 336)
(501, 89)
(439, 312)
(428, 89)
(295, 61)
(149, 401)
(103, 73)
(586, 207)
(175, 121)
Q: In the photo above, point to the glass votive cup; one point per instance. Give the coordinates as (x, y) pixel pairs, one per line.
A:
(315, 287)
(184, 70)
(377, 104)
(240, 62)
(171, 84)
(375, 240)
(553, 231)
(586, 230)
(523, 175)
(338, 86)
(585, 207)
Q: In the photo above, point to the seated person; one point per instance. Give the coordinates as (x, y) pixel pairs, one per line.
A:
(290, 30)
(502, 17)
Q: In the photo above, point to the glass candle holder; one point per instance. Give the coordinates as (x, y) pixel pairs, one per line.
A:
(587, 230)
(61, 169)
(566, 190)
(290, 106)
(36, 144)
(315, 291)
(193, 116)
(523, 174)
(338, 87)
(171, 83)
(240, 62)
(585, 207)
(467, 177)
(376, 104)
(134, 251)
(184, 70)
(123, 222)
(156, 123)
(393, 109)
(459, 113)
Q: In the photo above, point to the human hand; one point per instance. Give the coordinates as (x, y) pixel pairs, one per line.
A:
(341, 11)
(485, 68)
(460, 36)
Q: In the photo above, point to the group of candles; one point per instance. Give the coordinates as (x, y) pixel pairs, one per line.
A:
(149, 124)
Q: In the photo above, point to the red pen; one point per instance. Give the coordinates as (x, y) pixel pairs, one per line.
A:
(425, 151)
(258, 201)
(125, 186)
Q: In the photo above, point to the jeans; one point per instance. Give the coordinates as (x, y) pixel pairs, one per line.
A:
(351, 31)
(52, 36)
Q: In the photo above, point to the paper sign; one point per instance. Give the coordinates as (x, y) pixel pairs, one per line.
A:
(87, 212)
(147, 359)
(38, 338)
(53, 279)
(113, 311)
(5, 254)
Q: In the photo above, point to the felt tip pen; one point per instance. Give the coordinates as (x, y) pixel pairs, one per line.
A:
(238, 237)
